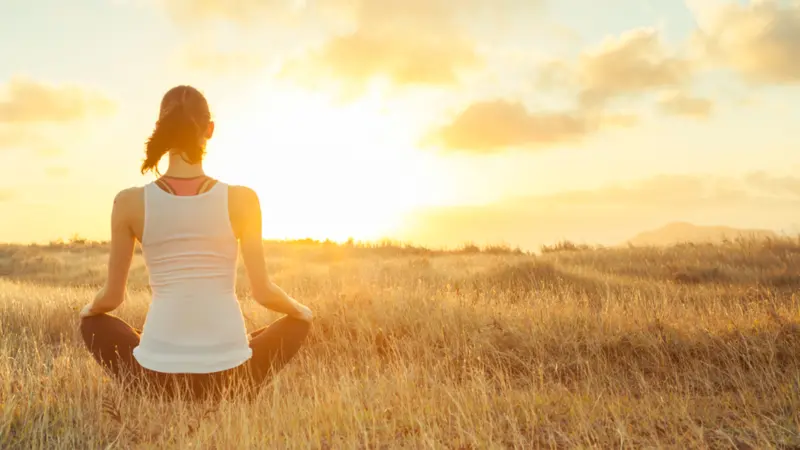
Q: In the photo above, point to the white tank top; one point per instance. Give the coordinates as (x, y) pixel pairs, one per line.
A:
(194, 323)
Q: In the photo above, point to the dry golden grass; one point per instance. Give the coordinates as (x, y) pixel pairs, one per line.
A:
(686, 347)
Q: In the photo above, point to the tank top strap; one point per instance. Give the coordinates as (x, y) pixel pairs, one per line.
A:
(220, 191)
(164, 211)
(217, 188)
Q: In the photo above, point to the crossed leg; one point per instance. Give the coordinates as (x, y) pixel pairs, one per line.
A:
(273, 346)
(111, 341)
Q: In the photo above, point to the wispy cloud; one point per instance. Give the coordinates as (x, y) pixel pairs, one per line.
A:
(240, 11)
(31, 112)
(24, 100)
(27, 137)
(409, 42)
(637, 63)
(758, 39)
(782, 186)
(404, 59)
(497, 125)
(681, 104)
(633, 63)
(490, 126)
(614, 213)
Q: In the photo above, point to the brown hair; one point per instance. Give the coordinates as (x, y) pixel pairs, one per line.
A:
(183, 120)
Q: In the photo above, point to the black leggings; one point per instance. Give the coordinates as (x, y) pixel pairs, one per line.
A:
(111, 342)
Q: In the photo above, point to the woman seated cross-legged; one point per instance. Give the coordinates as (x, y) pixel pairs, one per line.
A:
(191, 229)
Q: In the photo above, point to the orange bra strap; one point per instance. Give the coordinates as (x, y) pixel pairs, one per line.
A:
(207, 184)
(204, 186)
(165, 186)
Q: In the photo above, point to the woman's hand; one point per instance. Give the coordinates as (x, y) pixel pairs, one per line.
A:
(87, 311)
(95, 307)
(303, 312)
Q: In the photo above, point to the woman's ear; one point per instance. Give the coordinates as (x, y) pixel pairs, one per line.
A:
(210, 130)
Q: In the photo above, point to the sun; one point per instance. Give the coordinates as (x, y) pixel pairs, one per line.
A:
(323, 170)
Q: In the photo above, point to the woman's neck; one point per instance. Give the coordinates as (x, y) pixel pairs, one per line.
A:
(179, 168)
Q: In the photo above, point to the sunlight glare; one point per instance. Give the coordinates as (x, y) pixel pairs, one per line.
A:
(322, 170)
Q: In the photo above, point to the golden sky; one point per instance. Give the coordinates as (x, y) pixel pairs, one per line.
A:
(434, 121)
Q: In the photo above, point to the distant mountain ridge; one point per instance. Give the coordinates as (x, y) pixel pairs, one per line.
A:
(681, 232)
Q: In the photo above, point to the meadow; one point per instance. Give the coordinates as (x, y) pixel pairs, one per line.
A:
(689, 346)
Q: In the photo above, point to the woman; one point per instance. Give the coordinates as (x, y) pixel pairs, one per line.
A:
(191, 228)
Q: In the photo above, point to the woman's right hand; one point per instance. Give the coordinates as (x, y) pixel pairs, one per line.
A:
(303, 312)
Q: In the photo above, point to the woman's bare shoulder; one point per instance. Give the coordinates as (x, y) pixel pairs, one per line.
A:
(242, 196)
(129, 203)
(244, 209)
(129, 197)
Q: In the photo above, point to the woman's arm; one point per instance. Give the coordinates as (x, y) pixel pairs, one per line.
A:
(248, 212)
(119, 259)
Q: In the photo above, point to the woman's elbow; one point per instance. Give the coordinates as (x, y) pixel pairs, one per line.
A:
(262, 296)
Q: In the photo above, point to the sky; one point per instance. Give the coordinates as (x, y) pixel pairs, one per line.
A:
(436, 122)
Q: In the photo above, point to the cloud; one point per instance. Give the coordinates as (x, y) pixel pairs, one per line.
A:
(496, 125)
(409, 42)
(15, 136)
(659, 191)
(403, 59)
(32, 113)
(489, 126)
(680, 104)
(633, 63)
(239, 11)
(614, 213)
(27, 136)
(760, 39)
(782, 186)
(29, 101)
(676, 191)
(348, 44)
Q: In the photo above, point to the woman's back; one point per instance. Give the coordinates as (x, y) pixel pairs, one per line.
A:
(194, 324)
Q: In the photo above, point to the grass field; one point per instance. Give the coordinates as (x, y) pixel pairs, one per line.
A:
(693, 346)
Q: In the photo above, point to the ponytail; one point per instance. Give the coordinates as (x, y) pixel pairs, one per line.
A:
(180, 127)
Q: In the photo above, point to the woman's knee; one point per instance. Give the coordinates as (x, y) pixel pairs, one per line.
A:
(92, 325)
(92, 321)
(300, 328)
(87, 323)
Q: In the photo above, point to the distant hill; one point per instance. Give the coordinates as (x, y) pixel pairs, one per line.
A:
(681, 232)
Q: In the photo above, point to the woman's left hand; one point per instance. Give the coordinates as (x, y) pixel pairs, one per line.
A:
(86, 311)
(97, 300)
